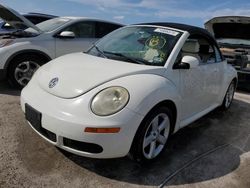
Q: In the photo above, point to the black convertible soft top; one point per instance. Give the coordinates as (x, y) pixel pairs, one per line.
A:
(192, 30)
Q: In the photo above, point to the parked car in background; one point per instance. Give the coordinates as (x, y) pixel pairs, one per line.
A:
(233, 36)
(22, 52)
(129, 92)
(35, 18)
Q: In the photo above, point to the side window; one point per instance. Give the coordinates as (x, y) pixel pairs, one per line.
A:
(103, 28)
(191, 48)
(36, 19)
(82, 29)
(33, 19)
(199, 47)
(206, 52)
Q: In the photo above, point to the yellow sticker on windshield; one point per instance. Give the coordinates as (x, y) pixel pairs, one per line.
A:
(156, 42)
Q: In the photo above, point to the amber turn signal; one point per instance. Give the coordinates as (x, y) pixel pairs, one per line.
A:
(102, 130)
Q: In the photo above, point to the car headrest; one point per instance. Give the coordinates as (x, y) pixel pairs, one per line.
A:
(204, 49)
(191, 46)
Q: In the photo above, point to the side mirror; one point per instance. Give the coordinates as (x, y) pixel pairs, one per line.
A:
(192, 61)
(67, 34)
(187, 62)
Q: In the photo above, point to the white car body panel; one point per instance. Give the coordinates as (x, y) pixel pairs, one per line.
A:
(87, 67)
(194, 92)
(78, 114)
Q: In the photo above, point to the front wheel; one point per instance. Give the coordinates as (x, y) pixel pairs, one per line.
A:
(228, 99)
(22, 69)
(152, 135)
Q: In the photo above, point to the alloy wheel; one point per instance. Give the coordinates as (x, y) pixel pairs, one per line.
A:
(229, 95)
(156, 136)
(24, 72)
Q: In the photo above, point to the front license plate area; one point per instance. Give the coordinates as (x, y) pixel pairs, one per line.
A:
(33, 116)
(35, 119)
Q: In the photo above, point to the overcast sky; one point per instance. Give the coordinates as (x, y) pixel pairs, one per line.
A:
(194, 12)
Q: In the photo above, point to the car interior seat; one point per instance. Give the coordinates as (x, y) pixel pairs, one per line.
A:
(205, 51)
(191, 48)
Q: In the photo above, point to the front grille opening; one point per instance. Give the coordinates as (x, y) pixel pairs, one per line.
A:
(82, 146)
(34, 117)
(46, 133)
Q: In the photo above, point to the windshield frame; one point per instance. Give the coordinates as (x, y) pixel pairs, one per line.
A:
(168, 55)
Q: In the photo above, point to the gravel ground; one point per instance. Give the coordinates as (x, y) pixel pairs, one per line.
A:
(212, 152)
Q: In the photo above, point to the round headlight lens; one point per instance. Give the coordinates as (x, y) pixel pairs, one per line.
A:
(110, 101)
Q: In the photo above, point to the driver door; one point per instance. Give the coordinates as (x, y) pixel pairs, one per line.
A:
(192, 83)
(200, 86)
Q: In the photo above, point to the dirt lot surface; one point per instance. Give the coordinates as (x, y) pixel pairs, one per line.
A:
(212, 152)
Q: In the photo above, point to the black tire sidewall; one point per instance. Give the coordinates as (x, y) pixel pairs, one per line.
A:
(223, 107)
(136, 152)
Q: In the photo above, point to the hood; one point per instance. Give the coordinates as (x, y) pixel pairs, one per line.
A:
(16, 20)
(231, 27)
(75, 74)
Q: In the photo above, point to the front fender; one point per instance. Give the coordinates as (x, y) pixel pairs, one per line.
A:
(9, 52)
(146, 91)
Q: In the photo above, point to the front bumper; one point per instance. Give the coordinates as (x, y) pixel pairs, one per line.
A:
(66, 119)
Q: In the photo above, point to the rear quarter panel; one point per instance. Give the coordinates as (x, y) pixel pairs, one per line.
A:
(229, 73)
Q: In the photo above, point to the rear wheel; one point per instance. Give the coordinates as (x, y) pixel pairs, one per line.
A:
(22, 69)
(152, 135)
(228, 99)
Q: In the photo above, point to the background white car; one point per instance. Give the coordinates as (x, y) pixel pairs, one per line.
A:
(22, 52)
(128, 93)
(35, 18)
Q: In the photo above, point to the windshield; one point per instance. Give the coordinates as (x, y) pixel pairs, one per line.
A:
(234, 41)
(138, 44)
(50, 25)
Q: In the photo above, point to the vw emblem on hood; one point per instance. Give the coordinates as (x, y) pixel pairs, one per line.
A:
(53, 82)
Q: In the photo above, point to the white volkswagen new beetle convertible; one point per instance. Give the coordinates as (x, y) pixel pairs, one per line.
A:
(130, 92)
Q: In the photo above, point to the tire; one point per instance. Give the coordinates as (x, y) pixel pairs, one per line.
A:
(22, 68)
(149, 141)
(228, 99)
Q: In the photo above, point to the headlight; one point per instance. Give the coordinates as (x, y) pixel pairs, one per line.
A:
(110, 101)
(5, 42)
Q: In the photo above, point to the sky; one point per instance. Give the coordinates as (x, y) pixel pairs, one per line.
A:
(193, 12)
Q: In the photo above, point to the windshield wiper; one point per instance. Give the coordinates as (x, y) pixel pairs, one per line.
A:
(101, 52)
(131, 59)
